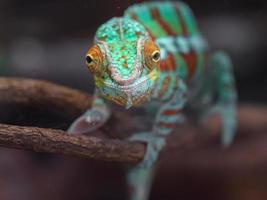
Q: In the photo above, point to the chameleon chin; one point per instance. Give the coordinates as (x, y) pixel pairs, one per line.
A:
(155, 52)
(130, 95)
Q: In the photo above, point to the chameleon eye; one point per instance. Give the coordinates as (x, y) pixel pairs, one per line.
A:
(91, 63)
(151, 54)
(94, 59)
(89, 60)
(156, 56)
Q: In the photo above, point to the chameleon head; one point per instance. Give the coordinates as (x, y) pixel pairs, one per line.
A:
(124, 62)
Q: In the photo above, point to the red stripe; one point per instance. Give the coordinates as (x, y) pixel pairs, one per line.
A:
(163, 65)
(165, 125)
(172, 62)
(182, 22)
(156, 15)
(134, 16)
(190, 59)
(170, 112)
(152, 36)
(168, 64)
(165, 85)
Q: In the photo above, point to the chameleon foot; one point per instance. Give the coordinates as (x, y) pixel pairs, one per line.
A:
(88, 122)
(154, 145)
(228, 116)
(209, 113)
(229, 125)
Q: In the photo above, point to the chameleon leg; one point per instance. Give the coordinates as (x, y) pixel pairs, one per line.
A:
(92, 118)
(140, 177)
(139, 183)
(227, 96)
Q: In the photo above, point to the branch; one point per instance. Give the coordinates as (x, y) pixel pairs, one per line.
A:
(42, 93)
(29, 92)
(57, 141)
(201, 143)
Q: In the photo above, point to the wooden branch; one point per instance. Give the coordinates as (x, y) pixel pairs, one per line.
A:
(37, 93)
(42, 93)
(57, 141)
(198, 142)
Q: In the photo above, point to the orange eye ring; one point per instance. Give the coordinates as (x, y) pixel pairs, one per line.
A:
(156, 56)
(151, 54)
(91, 64)
(89, 59)
(94, 59)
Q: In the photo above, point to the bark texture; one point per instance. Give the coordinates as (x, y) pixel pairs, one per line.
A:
(202, 142)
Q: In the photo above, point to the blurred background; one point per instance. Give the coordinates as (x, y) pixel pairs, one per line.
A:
(47, 39)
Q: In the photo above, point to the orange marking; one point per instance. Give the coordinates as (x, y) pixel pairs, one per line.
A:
(190, 59)
(170, 112)
(166, 125)
(152, 36)
(134, 16)
(163, 65)
(172, 62)
(165, 85)
(156, 15)
(182, 22)
(168, 64)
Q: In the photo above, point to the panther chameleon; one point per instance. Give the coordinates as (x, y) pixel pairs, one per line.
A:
(156, 53)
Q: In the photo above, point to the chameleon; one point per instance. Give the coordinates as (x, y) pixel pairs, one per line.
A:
(153, 55)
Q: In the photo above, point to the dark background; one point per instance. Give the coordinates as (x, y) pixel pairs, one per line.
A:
(47, 39)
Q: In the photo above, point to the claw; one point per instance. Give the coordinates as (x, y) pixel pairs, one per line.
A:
(229, 126)
(214, 110)
(154, 145)
(86, 123)
(228, 116)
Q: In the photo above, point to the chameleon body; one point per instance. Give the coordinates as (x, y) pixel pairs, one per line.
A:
(155, 53)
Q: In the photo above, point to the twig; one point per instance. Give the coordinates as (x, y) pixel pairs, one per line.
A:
(252, 121)
(57, 141)
(73, 102)
(42, 93)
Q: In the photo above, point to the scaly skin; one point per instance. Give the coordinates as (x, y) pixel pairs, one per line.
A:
(156, 53)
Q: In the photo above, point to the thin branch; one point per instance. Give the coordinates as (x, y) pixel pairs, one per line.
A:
(185, 139)
(73, 102)
(57, 141)
(43, 93)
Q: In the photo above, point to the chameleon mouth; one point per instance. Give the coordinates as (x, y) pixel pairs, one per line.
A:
(130, 95)
(139, 82)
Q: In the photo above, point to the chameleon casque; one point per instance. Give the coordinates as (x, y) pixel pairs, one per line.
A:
(155, 53)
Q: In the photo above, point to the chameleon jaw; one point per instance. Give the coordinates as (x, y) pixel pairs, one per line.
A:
(129, 95)
(152, 75)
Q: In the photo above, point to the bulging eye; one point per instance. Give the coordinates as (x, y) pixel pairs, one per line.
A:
(156, 56)
(89, 60)
(94, 59)
(151, 54)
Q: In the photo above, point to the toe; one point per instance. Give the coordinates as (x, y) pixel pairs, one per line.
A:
(82, 126)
